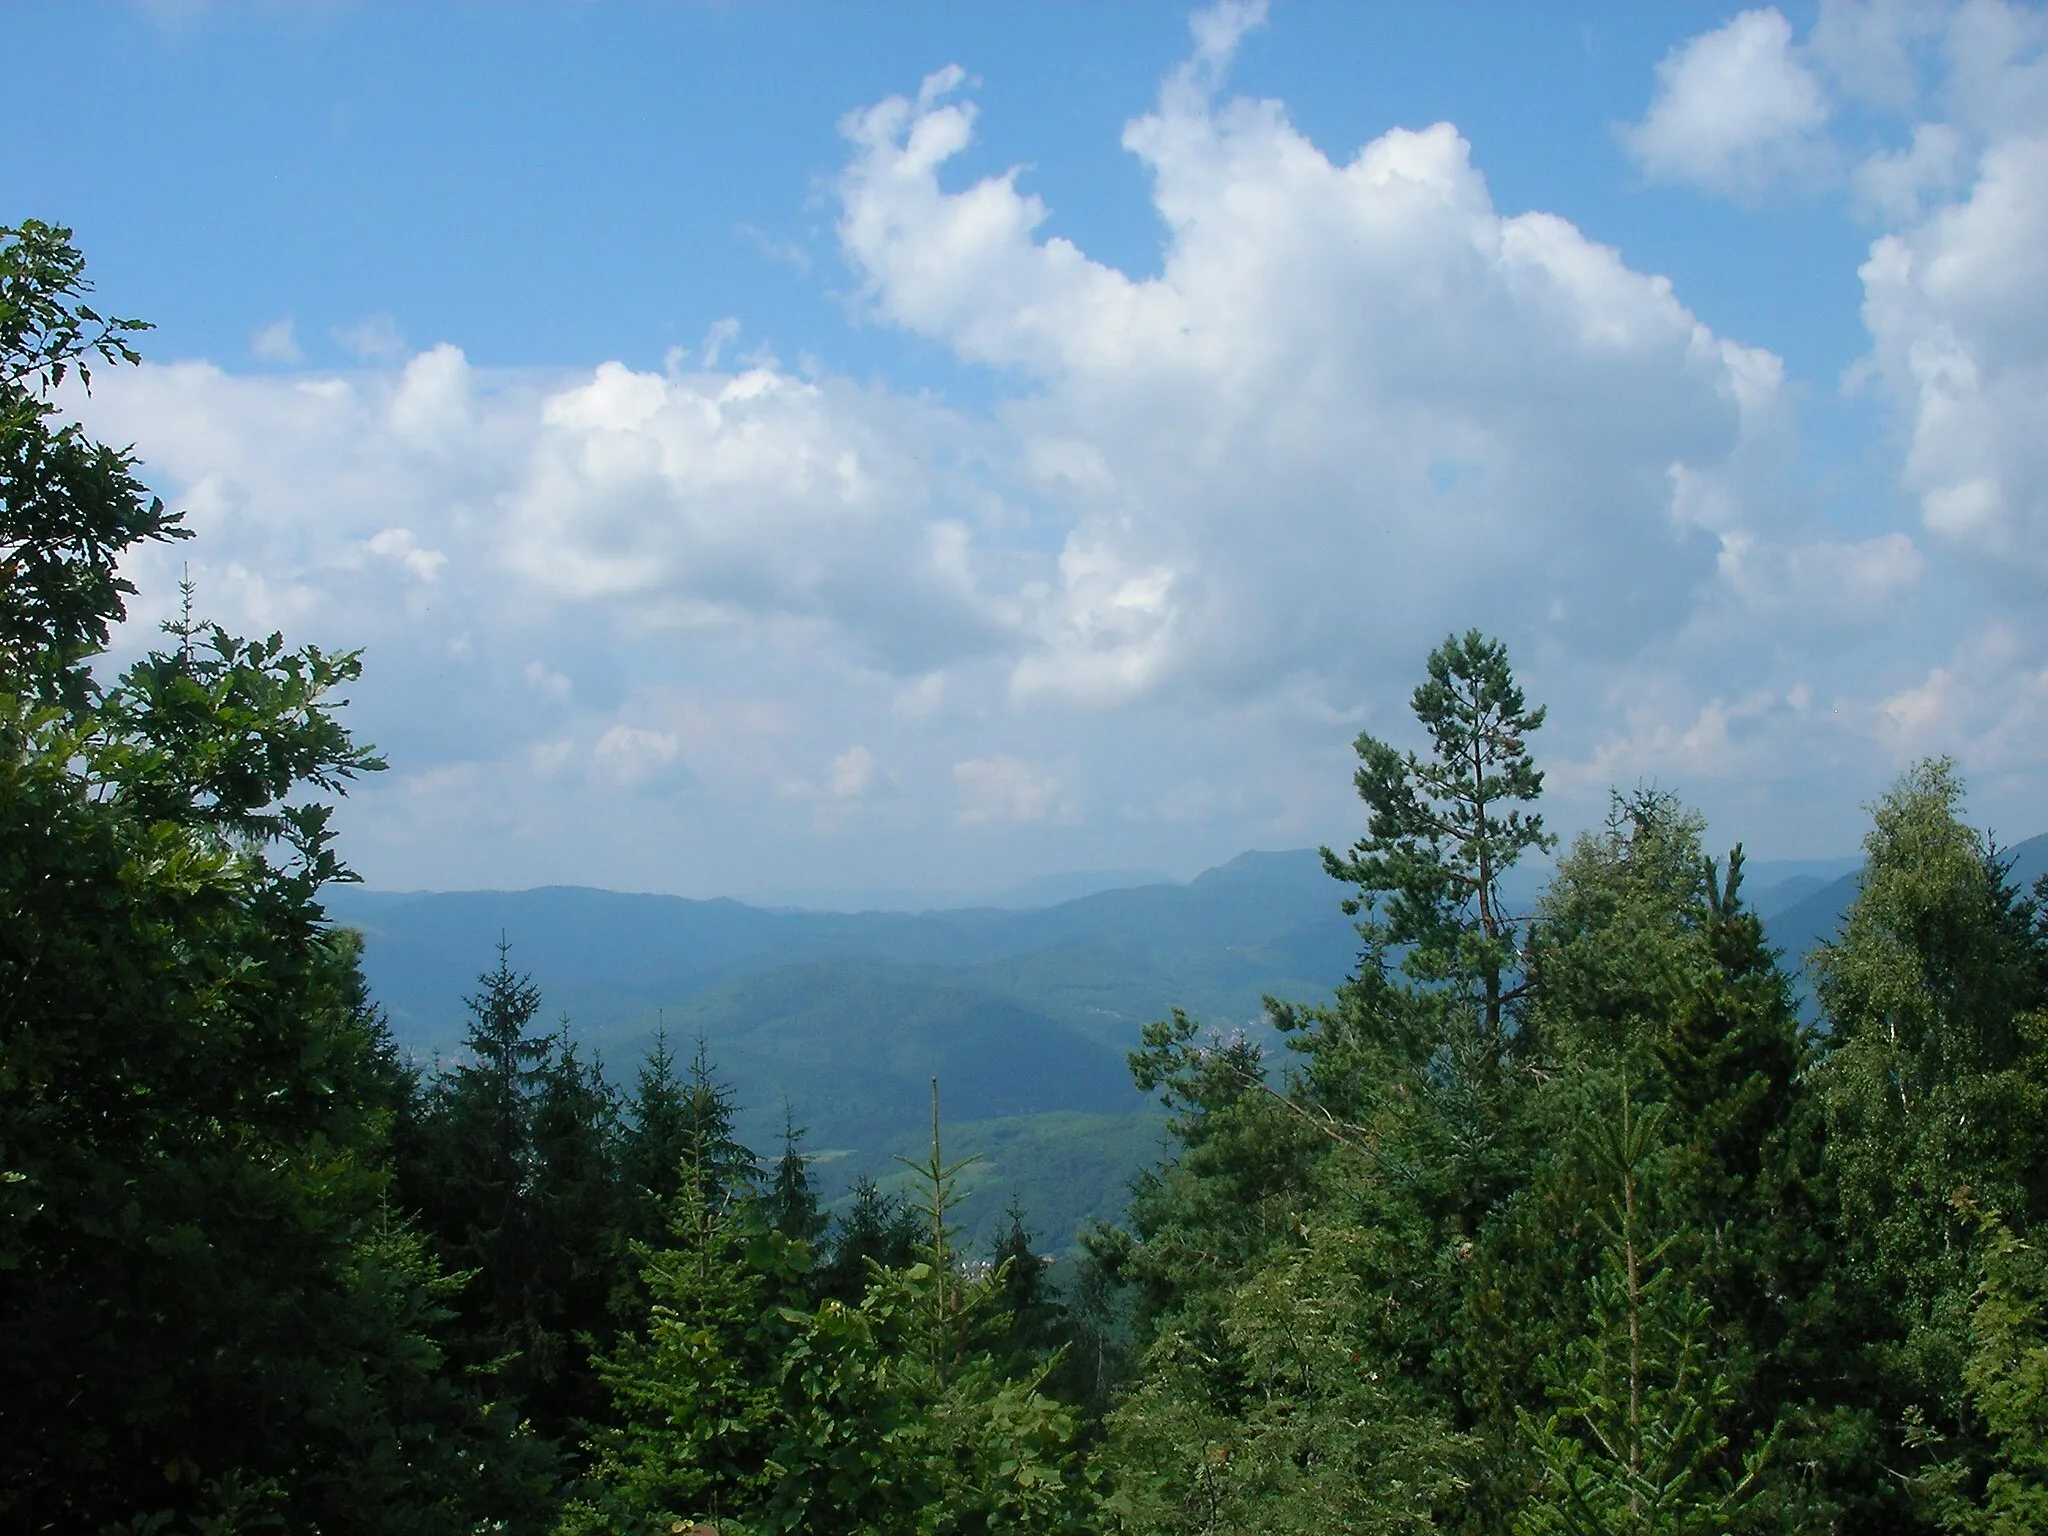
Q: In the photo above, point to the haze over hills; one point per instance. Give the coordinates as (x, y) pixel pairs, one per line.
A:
(845, 1016)
(1025, 1014)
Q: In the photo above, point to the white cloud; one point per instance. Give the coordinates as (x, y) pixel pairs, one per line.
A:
(853, 774)
(630, 756)
(1957, 310)
(546, 681)
(275, 343)
(431, 405)
(1893, 184)
(1736, 109)
(1249, 443)
(373, 339)
(723, 333)
(1214, 519)
(1874, 49)
(1003, 789)
(402, 545)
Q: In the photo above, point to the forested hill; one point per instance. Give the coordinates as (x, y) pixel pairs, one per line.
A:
(1096, 967)
(1024, 1015)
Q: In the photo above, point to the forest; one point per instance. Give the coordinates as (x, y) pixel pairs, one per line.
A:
(1551, 1220)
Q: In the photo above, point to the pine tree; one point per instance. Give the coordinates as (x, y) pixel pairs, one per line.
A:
(791, 1204)
(726, 1172)
(517, 1180)
(655, 1140)
(1442, 831)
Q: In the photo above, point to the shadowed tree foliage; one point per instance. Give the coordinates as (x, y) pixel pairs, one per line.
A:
(214, 1319)
(517, 1180)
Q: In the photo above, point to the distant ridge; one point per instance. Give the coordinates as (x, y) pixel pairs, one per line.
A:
(1816, 917)
(1025, 1012)
(1038, 891)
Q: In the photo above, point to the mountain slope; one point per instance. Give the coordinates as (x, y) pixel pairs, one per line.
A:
(1815, 919)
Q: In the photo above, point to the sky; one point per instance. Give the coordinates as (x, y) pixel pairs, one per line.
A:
(774, 448)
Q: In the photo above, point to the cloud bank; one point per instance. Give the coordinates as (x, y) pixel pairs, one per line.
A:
(700, 628)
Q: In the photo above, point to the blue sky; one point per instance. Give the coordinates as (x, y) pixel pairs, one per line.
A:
(739, 482)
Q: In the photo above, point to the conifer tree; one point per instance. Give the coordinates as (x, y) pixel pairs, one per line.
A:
(578, 1216)
(874, 1229)
(900, 1415)
(655, 1139)
(2006, 1377)
(725, 1170)
(697, 1410)
(791, 1204)
(517, 1181)
(1636, 1439)
(1025, 1296)
(1443, 830)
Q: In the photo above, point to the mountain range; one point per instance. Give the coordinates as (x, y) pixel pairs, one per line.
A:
(1024, 1014)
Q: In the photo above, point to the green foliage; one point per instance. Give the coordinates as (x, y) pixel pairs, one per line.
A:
(214, 1320)
(741, 1405)
(1289, 1412)
(1443, 830)
(655, 1139)
(1449, 1147)
(694, 1391)
(874, 1229)
(514, 1174)
(1635, 1434)
(2006, 1376)
(1935, 1098)
(792, 1205)
(68, 506)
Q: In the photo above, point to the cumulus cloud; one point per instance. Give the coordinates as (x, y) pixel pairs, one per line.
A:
(276, 343)
(373, 339)
(1252, 443)
(1958, 317)
(1208, 529)
(1735, 110)
(1893, 184)
(1003, 789)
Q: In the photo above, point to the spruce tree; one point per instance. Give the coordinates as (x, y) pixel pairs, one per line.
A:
(655, 1139)
(874, 1229)
(1025, 1295)
(696, 1410)
(1636, 1436)
(725, 1170)
(517, 1180)
(791, 1204)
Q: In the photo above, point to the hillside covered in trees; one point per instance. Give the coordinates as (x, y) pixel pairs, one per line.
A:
(1557, 1216)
